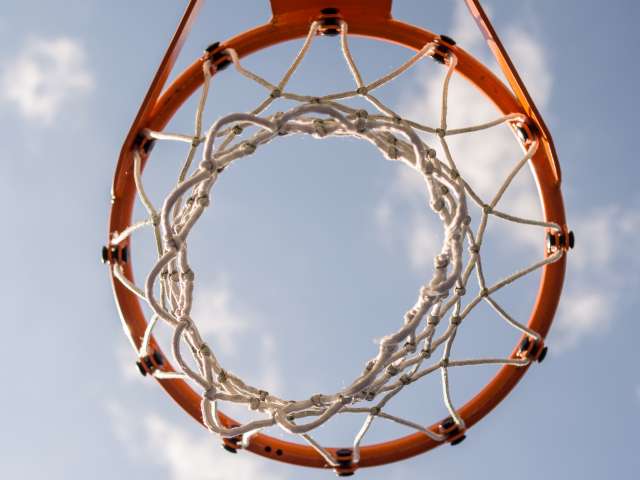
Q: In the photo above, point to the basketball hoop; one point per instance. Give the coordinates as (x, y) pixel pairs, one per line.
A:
(420, 344)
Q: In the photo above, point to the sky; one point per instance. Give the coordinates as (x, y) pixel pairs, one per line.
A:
(312, 250)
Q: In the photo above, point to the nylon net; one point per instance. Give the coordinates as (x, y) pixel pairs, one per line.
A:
(422, 343)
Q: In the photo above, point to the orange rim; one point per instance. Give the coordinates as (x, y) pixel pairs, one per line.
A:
(291, 20)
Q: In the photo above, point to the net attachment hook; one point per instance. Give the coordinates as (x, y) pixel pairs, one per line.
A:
(232, 444)
(150, 363)
(453, 432)
(346, 467)
(533, 350)
(443, 44)
(114, 254)
(330, 22)
(216, 54)
(560, 240)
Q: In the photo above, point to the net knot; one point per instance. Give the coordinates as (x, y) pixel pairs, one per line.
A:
(207, 165)
(254, 403)
(222, 376)
(362, 91)
(171, 243)
(374, 411)
(316, 400)
(392, 149)
(433, 319)
(211, 393)
(438, 204)
(392, 370)
(441, 132)
(410, 315)
(188, 275)
(425, 353)
(319, 127)
(456, 320)
(460, 291)
(427, 168)
(487, 209)
(275, 93)
(203, 201)
(404, 379)
(249, 148)
(484, 292)
(441, 261)
(475, 249)
(361, 120)
(410, 346)
(237, 130)
(466, 220)
(205, 350)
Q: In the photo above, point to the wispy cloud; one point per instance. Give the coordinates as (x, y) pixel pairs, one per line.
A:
(581, 313)
(186, 455)
(232, 330)
(604, 266)
(193, 457)
(602, 262)
(44, 76)
(217, 316)
(483, 159)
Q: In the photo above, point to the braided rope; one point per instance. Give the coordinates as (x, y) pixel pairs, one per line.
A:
(403, 355)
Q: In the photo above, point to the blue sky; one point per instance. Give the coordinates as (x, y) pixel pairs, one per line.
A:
(312, 249)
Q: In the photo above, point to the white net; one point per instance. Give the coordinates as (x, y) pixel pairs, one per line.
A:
(422, 343)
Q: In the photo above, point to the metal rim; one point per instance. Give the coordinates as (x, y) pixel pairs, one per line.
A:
(289, 26)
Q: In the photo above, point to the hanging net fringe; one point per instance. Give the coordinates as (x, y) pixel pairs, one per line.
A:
(416, 349)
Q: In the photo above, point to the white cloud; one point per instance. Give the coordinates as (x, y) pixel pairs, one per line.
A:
(423, 242)
(125, 428)
(44, 76)
(604, 264)
(604, 234)
(184, 455)
(228, 330)
(216, 317)
(483, 158)
(602, 261)
(126, 359)
(582, 314)
(195, 457)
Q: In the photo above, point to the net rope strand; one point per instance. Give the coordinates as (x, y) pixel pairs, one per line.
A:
(404, 356)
